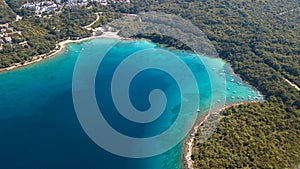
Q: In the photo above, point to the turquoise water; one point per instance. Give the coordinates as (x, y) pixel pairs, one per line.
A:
(38, 123)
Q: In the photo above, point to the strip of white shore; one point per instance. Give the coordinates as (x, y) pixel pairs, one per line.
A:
(292, 84)
(188, 149)
(59, 48)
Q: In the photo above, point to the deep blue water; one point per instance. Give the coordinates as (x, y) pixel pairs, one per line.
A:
(39, 127)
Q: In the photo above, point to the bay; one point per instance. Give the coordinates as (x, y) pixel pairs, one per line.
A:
(39, 127)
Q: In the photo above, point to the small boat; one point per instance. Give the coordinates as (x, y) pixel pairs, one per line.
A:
(198, 110)
(232, 80)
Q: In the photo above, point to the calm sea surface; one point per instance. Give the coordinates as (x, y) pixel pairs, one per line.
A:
(39, 128)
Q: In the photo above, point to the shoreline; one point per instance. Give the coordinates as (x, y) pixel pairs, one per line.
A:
(60, 48)
(189, 142)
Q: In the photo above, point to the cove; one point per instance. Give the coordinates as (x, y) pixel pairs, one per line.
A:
(39, 127)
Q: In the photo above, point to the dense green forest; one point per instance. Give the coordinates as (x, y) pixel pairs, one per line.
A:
(261, 40)
(6, 14)
(263, 47)
(257, 135)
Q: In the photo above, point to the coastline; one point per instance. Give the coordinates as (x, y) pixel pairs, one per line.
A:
(60, 48)
(188, 143)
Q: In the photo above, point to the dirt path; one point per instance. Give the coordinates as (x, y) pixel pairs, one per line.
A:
(88, 26)
(292, 84)
(285, 12)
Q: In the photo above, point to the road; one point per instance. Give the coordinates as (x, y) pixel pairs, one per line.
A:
(292, 84)
(282, 13)
(88, 26)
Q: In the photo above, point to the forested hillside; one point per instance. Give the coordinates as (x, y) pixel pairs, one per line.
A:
(262, 42)
(42, 33)
(6, 14)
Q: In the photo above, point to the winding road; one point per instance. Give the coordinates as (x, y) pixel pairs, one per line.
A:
(88, 26)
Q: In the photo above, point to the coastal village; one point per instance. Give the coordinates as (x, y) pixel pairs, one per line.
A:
(10, 36)
(13, 37)
(58, 5)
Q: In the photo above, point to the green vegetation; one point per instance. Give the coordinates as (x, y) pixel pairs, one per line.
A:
(6, 14)
(263, 47)
(260, 38)
(260, 135)
(42, 34)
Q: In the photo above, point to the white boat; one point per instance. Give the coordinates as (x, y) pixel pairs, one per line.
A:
(198, 110)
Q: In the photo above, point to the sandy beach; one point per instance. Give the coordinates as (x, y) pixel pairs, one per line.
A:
(59, 48)
(188, 147)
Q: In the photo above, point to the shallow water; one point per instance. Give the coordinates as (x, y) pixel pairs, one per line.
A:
(38, 123)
